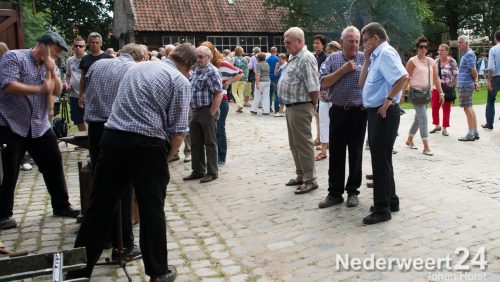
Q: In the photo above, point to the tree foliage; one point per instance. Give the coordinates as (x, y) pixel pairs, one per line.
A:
(35, 24)
(71, 18)
(401, 18)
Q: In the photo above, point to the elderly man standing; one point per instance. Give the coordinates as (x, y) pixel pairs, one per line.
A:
(24, 123)
(298, 88)
(341, 73)
(206, 83)
(493, 82)
(383, 78)
(148, 121)
(466, 82)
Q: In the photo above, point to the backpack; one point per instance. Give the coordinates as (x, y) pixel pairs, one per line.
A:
(60, 127)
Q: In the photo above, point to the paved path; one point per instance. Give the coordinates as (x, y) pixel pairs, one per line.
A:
(249, 226)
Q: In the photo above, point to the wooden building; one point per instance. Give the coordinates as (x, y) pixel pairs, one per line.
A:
(225, 23)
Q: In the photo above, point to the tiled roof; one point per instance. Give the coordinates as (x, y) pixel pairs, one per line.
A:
(205, 16)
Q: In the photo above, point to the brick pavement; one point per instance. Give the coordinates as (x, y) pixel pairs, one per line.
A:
(249, 226)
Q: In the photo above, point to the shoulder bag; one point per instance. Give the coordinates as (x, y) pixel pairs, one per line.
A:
(449, 92)
(422, 96)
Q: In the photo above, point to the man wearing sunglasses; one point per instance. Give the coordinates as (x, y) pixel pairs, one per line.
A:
(73, 75)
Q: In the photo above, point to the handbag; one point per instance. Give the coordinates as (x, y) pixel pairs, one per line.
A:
(449, 92)
(421, 96)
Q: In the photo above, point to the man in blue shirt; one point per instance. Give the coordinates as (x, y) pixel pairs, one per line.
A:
(382, 77)
(493, 81)
(272, 61)
(466, 82)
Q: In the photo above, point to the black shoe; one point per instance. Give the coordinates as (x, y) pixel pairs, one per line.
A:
(7, 223)
(375, 218)
(330, 201)
(369, 176)
(393, 208)
(487, 126)
(352, 201)
(67, 212)
(207, 178)
(193, 176)
(167, 277)
(130, 254)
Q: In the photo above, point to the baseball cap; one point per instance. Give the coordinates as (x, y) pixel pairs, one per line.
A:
(51, 37)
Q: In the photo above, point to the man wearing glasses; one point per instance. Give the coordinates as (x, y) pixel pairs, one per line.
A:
(73, 75)
(382, 77)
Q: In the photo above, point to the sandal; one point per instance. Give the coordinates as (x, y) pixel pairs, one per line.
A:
(294, 182)
(436, 129)
(411, 146)
(306, 187)
(428, 153)
(320, 157)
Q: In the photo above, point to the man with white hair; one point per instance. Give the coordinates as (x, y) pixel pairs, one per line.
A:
(168, 49)
(466, 82)
(154, 56)
(299, 87)
(206, 84)
(347, 127)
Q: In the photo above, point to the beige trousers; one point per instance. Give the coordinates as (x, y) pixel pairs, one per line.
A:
(298, 121)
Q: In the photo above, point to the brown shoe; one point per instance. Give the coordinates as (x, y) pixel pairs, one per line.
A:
(193, 176)
(306, 187)
(330, 201)
(207, 178)
(369, 176)
(369, 184)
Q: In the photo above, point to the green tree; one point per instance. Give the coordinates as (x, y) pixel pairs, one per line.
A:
(81, 17)
(35, 23)
(401, 18)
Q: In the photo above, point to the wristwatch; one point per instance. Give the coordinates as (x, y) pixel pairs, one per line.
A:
(389, 98)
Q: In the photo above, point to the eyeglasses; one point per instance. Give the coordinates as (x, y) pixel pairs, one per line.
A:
(78, 46)
(367, 38)
(423, 47)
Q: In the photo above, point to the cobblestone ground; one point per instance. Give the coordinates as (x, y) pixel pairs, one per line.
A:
(249, 226)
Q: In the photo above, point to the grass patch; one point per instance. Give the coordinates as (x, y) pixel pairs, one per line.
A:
(478, 98)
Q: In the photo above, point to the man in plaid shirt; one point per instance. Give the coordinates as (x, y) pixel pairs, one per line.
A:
(206, 84)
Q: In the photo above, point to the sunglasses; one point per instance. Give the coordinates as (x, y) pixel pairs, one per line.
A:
(79, 46)
(423, 47)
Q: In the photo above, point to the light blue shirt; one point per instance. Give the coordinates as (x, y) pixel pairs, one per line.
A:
(385, 69)
(467, 63)
(494, 60)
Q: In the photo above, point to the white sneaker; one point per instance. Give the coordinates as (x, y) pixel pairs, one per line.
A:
(26, 166)
(278, 114)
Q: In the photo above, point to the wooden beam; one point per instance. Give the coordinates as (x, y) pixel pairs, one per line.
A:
(7, 23)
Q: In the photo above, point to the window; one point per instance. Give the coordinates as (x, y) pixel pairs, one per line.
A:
(246, 42)
(278, 42)
(177, 39)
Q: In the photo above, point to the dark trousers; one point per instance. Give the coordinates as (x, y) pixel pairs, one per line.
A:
(128, 158)
(95, 132)
(45, 152)
(203, 142)
(221, 131)
(490, 104)
(347, 131)
(382, 133)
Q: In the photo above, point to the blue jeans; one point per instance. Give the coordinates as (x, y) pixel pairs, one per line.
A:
(221, 131)
(274, 92)
(490, 104)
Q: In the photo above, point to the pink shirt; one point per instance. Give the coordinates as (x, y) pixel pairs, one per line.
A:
(420, 77)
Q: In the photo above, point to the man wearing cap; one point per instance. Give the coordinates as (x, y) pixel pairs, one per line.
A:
(24, 123)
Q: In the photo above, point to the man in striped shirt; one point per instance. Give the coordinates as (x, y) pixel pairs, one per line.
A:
(299, 87)
(148, 121)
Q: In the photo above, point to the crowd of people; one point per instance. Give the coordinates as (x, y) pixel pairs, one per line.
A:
(138, 120)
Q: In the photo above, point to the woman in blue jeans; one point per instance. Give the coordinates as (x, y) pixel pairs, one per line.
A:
(229, 75)
(423, 74)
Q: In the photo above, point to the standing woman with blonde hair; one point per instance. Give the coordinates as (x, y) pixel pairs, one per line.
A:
(447, 71)
(239, 86)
